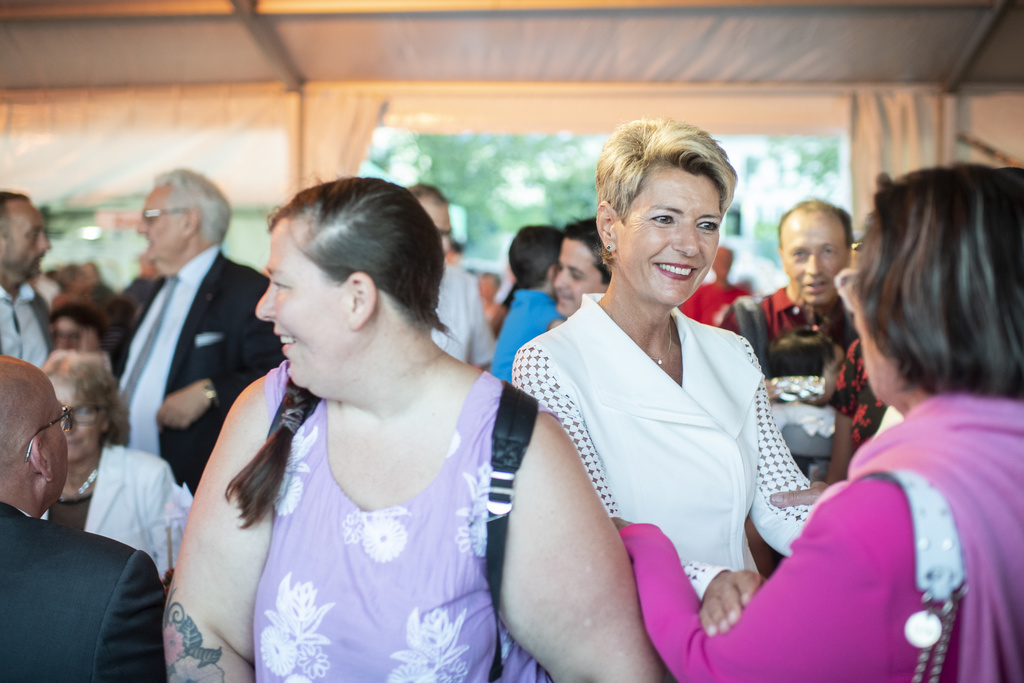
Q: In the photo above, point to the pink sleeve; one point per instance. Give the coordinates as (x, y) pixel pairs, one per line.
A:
(833, 611)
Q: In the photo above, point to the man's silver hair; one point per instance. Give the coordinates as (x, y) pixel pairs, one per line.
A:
(191, 190)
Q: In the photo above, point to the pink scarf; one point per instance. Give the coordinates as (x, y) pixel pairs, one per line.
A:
(972, 450)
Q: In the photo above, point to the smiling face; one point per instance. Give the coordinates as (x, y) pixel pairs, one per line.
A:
(665, 246)
(84, 441)
(577, 275)
(813, 250)
(301, 302)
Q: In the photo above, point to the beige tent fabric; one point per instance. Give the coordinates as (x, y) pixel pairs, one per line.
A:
(598, 109)
(87, 147)
(892, 132)
(261, 143)
(995, 120)
(337, 131)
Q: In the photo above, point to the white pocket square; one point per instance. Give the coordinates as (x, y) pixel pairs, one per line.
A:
(207, 338)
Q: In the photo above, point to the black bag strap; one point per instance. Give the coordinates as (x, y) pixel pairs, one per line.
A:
(513, 427)
(751, 321)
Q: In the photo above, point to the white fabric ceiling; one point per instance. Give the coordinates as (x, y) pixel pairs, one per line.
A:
(47, 44)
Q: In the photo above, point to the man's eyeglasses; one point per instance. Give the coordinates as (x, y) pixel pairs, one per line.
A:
(66, 419)
(150, 215)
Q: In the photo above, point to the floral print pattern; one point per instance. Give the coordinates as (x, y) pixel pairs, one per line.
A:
(453, 447)
(291, 641)
(434, 655)
(473, 534)
(407, 583)
(855, 399)
(290, 494)
(381, 534)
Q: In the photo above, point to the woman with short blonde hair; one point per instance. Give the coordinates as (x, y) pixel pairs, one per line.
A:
(670, 417)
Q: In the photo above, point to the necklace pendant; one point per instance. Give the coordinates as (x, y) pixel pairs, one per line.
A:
(659, 361)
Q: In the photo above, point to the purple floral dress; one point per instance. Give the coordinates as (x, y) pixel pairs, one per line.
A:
(398, 594)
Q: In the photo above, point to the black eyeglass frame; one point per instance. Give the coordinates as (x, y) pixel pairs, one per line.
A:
(66, 419)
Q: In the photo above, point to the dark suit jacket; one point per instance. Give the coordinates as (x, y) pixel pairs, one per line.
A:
(76, 606)
(221, 339)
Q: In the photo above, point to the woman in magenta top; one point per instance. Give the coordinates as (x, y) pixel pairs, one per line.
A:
(939, 307)
(350, 545)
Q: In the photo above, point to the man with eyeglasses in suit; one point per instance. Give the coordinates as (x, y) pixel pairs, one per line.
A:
(77, 607)
(197, 343)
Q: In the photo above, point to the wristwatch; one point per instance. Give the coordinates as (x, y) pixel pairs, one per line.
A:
(210, 392)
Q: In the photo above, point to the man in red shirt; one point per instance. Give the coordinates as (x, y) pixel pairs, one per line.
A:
(711, 301)
(815, 240)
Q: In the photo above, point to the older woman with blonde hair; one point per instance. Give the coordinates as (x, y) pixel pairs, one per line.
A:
(671, 417)
(111, 490)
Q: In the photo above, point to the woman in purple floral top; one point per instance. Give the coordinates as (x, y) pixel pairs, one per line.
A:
(350, 545)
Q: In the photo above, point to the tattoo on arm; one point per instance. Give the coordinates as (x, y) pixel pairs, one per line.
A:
(187, 659)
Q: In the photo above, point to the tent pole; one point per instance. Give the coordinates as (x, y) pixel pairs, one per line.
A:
(296, 138)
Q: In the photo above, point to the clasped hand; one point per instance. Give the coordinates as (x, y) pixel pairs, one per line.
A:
(725, 597)
(183, 407)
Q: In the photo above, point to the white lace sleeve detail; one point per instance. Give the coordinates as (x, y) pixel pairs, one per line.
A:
(700, 575)
(533, 373)
(776, 469)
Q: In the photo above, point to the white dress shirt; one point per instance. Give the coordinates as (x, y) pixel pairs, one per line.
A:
(22, 337)
(459, 307)
(152, 385)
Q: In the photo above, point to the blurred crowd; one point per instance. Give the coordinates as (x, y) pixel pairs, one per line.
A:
(602, 466)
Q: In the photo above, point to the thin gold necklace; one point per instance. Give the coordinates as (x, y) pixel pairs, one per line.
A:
(658, 360)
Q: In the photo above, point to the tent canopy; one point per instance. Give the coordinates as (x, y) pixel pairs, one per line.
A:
(98, 96)
(948, 44)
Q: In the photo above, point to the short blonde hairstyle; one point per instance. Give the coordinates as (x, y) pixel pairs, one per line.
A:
(639, 148)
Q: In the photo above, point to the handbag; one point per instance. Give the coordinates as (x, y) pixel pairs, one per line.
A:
(939, 570)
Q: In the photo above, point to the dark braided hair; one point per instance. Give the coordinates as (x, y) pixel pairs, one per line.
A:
(363, 225)
(256, 487)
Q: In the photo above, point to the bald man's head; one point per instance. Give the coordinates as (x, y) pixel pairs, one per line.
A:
(27, 403)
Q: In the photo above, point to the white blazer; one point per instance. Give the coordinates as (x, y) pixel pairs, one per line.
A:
(684, 458)
(129, 500)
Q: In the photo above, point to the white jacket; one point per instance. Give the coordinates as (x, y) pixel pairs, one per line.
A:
(129, 501)
(695, 459)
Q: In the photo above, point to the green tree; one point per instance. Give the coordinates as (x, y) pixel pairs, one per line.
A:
(502, 181)
(808, 162)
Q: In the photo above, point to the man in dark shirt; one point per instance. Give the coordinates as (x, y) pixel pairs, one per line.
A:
(815, 240)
